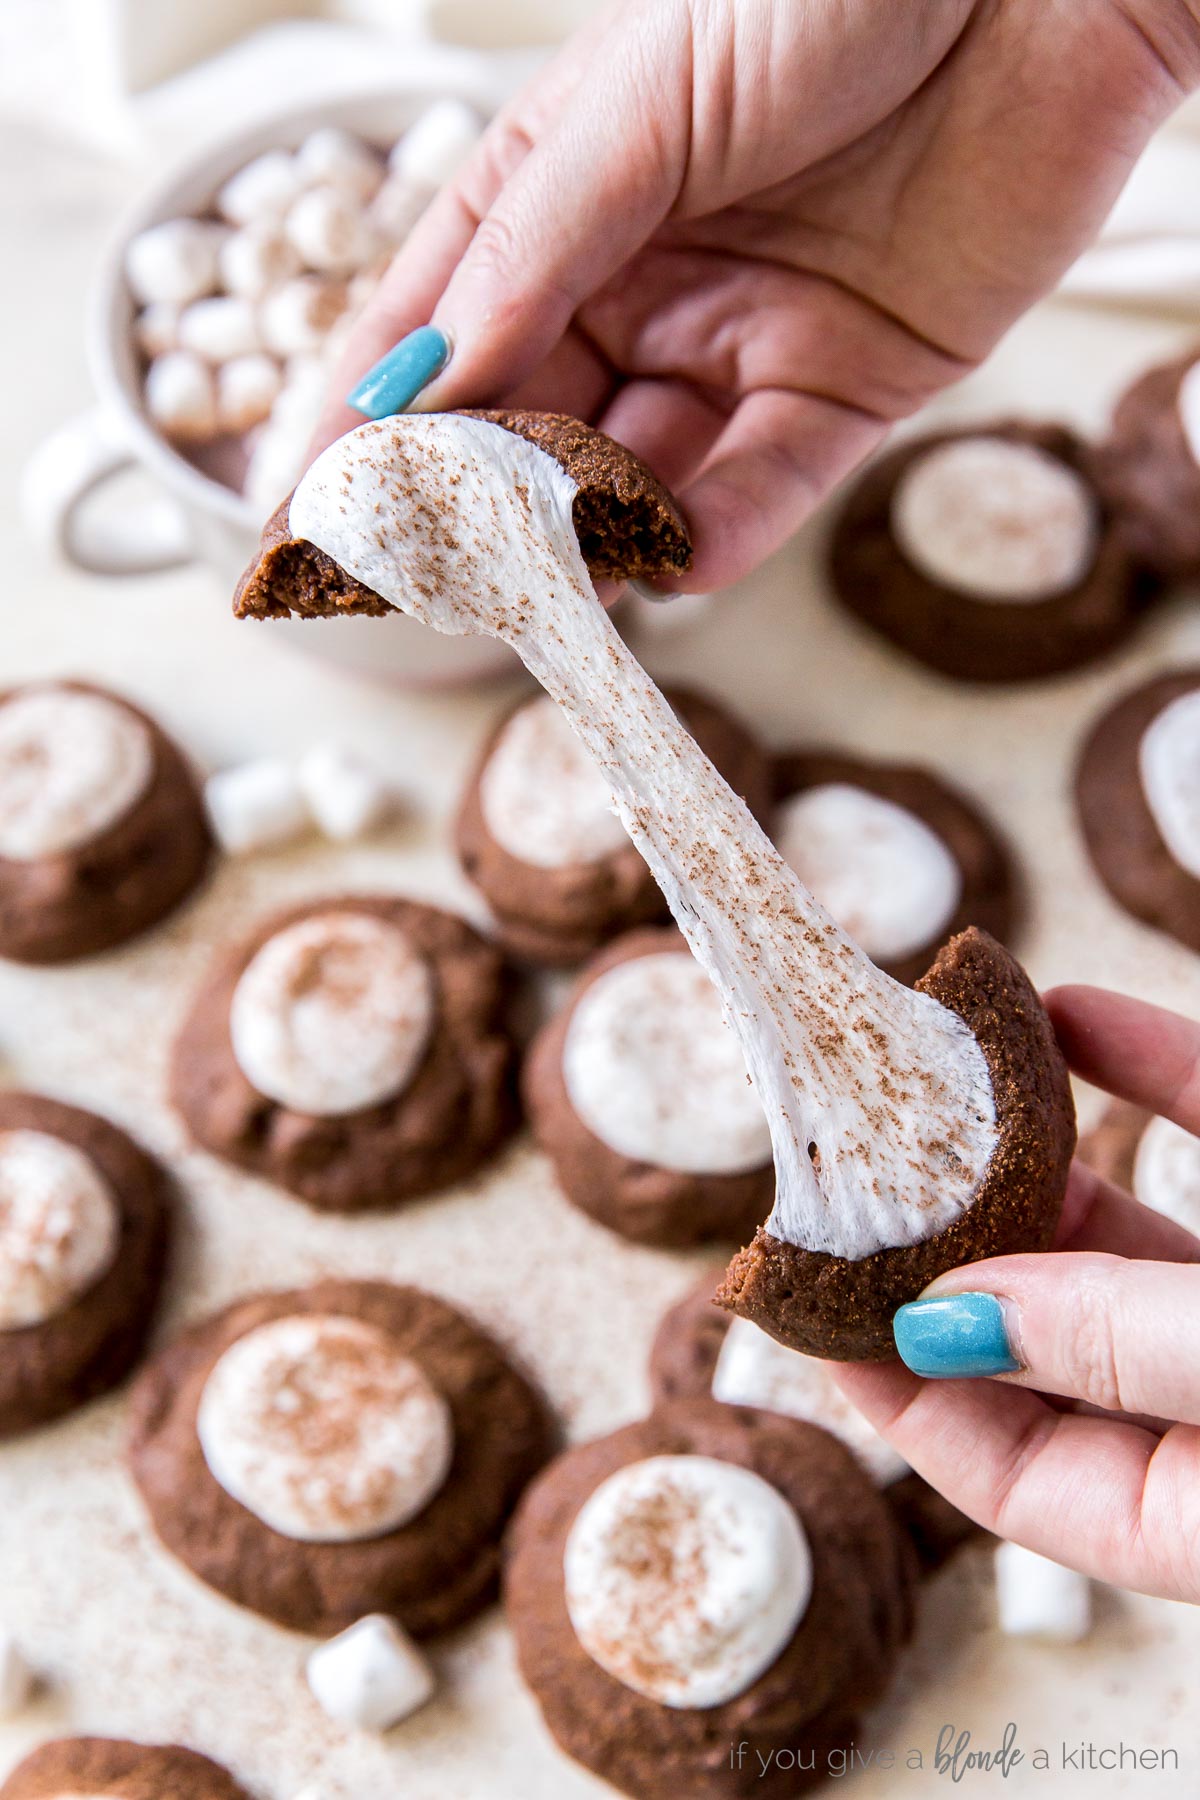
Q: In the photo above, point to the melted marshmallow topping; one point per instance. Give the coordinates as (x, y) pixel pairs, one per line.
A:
(654, 1071)
(1166, 1173)
(879, 1099)
(686, 1577)
(1169, 765)
(996, 520)
(71, 765)
(324, 1430)
(332, 1014)
(543, 799)
(1188, 403)
(59, 1226)
(888, 880)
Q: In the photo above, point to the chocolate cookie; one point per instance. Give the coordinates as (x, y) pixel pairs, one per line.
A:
(619, 1544)
(683, 1364)
(346, 1448)
(837, 1307)
(637, 1091)
(537, 835)
(354, 1050)
(83, 1768)
(1153, 1159)
(628, 527)
(1136, 788)
(83, 1238)
(1148, 466)
(900, 858)
(990, 554)
(102, 832)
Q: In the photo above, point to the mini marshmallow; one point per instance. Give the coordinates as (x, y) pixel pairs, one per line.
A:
(247, 388)
(277, 459)
(370, 1676)
(297, 318)
(330, 231)
(434, 148)
(397, 207)
(255, 806)
(1169, 766)
(338, 159)
(1188, 404)
(261, 192)
(256, 260)
(175, 261)
(17, 1679)
(156, 328)
(219, 328)
(346, 796)
(1040, 1599)
(1166, 1173)
(181, 396)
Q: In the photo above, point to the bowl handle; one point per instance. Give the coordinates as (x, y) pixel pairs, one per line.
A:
(62, 475)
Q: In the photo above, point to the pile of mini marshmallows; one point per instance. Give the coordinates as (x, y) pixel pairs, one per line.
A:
(242, 310)
(269, 802)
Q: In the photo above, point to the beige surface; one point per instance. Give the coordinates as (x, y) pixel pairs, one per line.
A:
(128, 1641)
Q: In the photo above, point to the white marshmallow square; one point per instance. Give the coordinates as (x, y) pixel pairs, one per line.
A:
(255, 806)
(370, 1676)
(346, 796)
(434, 148)
(1038, 1598)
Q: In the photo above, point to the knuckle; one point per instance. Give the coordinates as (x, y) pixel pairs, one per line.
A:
(1087, 1351)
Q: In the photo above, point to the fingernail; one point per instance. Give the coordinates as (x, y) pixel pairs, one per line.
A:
(397, 378)
(954, 1335)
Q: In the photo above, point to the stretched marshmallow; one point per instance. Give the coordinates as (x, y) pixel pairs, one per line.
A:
(181, 396)
(332, 158)
(397, 207)
(296, 319)
(175, 261)
(71, 765)
(1040, 1599)
(686, 1577)
(333, 1014)
(219, 328)
(433, 149)
(255, 806)
(17, 1680)
(996, 520)
(543, 798)
(324, 1430)
(330, 231)
(345, 795)
(754, 1369)
(156, 328)
(654, 1071)
(888, 880)
(371, 1676)
(1166, 1173)
(256, 260)
(247, 388)
(1188, 403)
(59, 1227)
(1169, 765)
(261, 192)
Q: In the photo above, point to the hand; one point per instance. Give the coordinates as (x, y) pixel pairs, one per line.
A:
(745, 239)
(1110, 1321)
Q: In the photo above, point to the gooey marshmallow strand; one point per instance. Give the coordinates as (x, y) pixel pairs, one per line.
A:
(468, 528)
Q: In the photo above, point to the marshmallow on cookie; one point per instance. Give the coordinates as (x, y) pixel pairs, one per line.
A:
(1150, 465)
(1154, 1159)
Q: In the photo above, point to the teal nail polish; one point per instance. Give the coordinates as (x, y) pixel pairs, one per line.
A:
(397, 378)
(954, 1335)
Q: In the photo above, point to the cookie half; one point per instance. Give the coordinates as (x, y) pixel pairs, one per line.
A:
(1150, 465)
(86, 1768)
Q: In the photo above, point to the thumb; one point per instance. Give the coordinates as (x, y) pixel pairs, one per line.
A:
(1118, 1334)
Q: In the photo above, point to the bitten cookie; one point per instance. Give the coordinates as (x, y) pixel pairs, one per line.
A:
(1138, 790)
(347, 1448)
(700, 1351)
(708, 1579)
(102, 831)
(1150, 465)
(638, 1092)
(92, 1768)
(537, 834)
(900, 858)
(1155, 1160)
(989, 554)
(354, 1050)
(83, 1238)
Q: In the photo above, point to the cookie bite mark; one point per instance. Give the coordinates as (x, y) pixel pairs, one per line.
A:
(356, 1051)
(1149, 466)
(1136, 787)
(337, 1450)
(92, 1768)
(102, 831)
(988, 554)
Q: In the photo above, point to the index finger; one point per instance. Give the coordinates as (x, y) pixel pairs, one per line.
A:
(1131, 1049)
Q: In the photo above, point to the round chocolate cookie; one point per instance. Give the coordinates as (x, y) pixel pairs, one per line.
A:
(1149, 465)
(1138, 790)
(647, 1670)
(537, 835)
(83, 1240)
(346, 1448)
(92, 1768)
(900, 858)
(637, 1091)
(1156, 1161)
(842, 1308)
(989, 553)
(696, 1338)
(102, 831)
(354, 1050)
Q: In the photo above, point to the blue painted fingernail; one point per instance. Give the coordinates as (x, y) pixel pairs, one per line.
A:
(954, 1335)
(397, 378)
